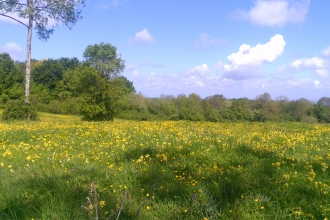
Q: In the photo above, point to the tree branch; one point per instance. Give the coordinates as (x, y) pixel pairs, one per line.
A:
(14, 19)
(16, 3)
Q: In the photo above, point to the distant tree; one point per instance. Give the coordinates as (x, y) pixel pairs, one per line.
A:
(210, 114)
(265, 108)
(191, 108)
(321, 110)
(298, 110)
(104, 57)
(38, 13)
(217, 102)
(240, 107)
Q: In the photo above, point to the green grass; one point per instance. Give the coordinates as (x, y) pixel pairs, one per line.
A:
(172, 170)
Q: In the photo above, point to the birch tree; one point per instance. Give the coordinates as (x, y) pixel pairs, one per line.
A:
(43, 16)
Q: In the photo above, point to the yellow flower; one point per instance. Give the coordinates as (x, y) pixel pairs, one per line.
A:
(185, 211)
(102, 204)
(148, 207)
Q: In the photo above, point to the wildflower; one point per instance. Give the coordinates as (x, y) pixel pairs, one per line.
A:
(102, 203)
(262, 208)
(185, 211)
(148, 207)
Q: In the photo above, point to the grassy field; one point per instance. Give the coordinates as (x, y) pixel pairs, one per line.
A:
(170, 170)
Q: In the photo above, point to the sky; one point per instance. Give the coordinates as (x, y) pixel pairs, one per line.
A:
(235, 48)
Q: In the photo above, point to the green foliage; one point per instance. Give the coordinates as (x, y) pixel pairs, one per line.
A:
(19, 110)
(104, 57)
(11, 79)
(100, 97)
(241, 109)
(191, 108)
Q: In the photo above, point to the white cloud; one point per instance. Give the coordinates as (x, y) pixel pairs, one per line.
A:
(205, 40)
(317, 84)
(12, 47)
(275, 12)
(316, 64)
(218, 66)
(250, 57)
(142, 37)
(326, 52)
(304, 63)
(15, 51)
(322, 73)
(200, 70)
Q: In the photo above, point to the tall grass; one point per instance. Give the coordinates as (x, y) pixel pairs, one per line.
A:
(171, 170)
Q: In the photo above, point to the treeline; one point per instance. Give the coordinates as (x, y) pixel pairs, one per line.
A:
(93, 88)
(217, 108)
(96, 90)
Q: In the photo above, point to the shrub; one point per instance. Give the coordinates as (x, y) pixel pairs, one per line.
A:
(19, 110)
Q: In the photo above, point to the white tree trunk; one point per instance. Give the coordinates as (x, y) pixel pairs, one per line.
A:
(28, 51)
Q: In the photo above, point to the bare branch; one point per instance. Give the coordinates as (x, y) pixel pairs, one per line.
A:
(14, 19)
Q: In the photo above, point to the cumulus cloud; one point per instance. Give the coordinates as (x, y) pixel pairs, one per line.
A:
(142, 37)
(205, 40)
(273, 13)
(200, 70)
(317, 84)
(316, 64)
(15, 51)
(248, 58)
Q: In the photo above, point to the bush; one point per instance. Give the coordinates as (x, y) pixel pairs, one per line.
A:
(19, 110)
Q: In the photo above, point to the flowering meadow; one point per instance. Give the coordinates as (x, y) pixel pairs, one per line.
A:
(169, 170)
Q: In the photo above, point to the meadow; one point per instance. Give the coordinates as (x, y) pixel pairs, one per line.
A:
(163, 170)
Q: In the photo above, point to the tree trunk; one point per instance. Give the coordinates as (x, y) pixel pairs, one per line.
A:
(28, 51)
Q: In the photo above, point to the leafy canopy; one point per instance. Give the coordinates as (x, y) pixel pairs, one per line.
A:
(104, 57)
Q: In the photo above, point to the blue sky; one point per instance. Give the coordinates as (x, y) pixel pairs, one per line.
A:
(235, 48)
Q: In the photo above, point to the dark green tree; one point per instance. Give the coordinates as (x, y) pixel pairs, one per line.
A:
(11, 79)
